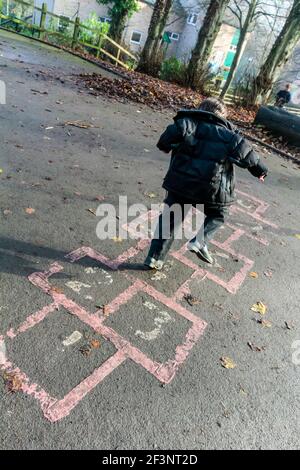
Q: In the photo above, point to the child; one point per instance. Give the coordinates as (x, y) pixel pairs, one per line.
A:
(205, 148)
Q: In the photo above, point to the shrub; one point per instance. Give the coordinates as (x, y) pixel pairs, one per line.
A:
(92, 37)
(173, 70)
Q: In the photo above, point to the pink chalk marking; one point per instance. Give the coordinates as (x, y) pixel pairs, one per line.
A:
(86, 251)
(234, 283)
(139, 221)
(261, 240)
(121, 299)
(55, 409)
(184, 289)
(256, 216)
(262, 206)
(32, 320)
(257, 213)
(132, 252)
(63, 407)
(33, 390)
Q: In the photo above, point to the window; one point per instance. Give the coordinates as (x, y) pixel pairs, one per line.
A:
(232, 48)
(104, 19)
(174, 36)
(192, 19)
(136, 37)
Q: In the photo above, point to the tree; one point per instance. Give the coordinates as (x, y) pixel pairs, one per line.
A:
(120, 11)
(150, 61)
(205, 41)
(244, 29)
(279, 54)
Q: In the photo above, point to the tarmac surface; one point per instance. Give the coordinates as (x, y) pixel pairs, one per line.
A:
(96, 353)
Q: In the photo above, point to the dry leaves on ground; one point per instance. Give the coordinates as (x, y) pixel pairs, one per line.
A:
(30, 210)
(256, 348)
(12, 382)
(264, 323)
(86, 350)
(191, 300)
(80, 124)
(259, 307)
(227, 363)
(158, 94)
(92, 211)
(117, 239)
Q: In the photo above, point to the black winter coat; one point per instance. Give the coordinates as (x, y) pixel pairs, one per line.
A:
(205, 149)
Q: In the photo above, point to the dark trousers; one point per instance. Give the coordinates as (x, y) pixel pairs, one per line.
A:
(214, 218)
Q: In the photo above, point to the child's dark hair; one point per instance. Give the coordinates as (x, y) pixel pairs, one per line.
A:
(212, 105)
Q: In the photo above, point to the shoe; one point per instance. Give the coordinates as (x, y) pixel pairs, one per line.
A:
(201, 251)
(153, 263)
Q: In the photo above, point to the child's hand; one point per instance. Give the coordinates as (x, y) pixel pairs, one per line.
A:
(262, 178)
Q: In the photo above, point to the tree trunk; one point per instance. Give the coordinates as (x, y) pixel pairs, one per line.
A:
(279, 55)
(280, 122)
(242, 39)
(149, 60)
(117, 26)
(206, 38)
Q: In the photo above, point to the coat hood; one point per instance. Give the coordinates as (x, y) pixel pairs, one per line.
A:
(199, 115)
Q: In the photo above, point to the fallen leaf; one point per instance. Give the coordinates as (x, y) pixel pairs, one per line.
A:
(297, 236)
(253, 274)
(81, 124)
(12, 381)
(105, 310)
(92, 211)
(57, 290)
(191, 300)
(95, 343)
(218, 305)
(255, 348)
(227, 363)
(1, 171)
(86, 350)
(99, 198)
(30, 210)
(268, 273)
(117, 239)
(288, 325)
(40, 92)
(264, 323)
(151, 195)
(259, 307)
(7, 212)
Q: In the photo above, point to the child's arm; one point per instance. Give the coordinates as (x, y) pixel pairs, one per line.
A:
(244, 156)
(172, 136)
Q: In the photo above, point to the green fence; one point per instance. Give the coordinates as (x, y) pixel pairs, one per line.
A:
(25, 18)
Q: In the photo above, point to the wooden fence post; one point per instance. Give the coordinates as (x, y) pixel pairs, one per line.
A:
(76, 32)
(118, 56)
(99, 45)
(43, 20)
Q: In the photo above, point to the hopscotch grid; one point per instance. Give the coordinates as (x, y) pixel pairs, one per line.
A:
(55, 409)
